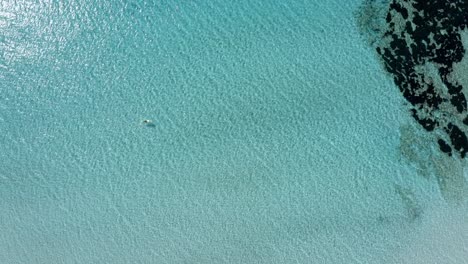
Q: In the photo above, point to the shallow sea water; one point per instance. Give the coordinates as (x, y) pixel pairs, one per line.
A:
(275, 138)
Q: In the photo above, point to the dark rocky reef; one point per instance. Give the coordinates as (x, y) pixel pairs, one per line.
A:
(419, 43)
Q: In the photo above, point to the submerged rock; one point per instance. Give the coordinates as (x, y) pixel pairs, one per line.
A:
(422, 46)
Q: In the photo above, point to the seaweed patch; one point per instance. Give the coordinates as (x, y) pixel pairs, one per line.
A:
(422, 46)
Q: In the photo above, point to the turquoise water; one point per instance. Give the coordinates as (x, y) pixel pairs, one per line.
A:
(275, 137)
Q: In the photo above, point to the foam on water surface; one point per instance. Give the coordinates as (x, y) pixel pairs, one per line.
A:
(277, 137)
